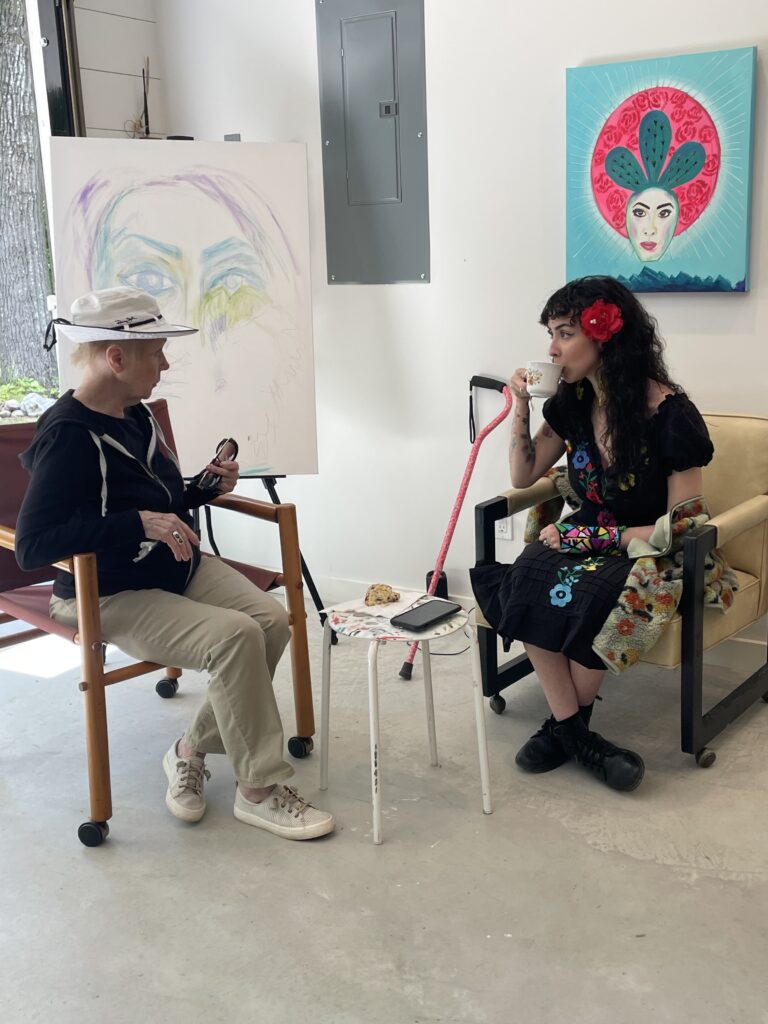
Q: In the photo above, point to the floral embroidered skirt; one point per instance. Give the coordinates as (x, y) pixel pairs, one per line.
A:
(551, 599)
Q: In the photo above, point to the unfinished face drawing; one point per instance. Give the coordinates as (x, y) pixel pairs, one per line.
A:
(213, 268)
(209, 248)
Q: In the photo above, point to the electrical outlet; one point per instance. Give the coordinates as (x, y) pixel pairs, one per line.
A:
(504, 528)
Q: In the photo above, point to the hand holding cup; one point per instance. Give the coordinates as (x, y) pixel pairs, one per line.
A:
(542, 378)
(518, 385)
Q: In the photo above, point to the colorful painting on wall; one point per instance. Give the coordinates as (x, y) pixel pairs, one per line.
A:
(659, 156)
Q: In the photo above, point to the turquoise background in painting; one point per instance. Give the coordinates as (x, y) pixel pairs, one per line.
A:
(718, 242)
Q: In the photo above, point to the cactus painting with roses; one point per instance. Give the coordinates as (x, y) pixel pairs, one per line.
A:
(659, 170)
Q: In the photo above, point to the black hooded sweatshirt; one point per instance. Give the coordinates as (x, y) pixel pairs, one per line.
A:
(91, 474)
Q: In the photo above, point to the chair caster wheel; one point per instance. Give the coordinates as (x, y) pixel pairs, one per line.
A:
(167, 688)
(498, 704)
(93, 833)
(300, 746)
(705, 757)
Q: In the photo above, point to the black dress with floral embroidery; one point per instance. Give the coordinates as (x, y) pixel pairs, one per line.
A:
(560, 601)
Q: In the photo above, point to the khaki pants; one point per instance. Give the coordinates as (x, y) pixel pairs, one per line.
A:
(222, 624)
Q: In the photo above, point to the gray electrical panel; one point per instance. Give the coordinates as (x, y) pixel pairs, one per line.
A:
(374, 138)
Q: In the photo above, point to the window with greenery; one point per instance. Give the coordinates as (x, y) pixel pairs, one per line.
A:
(26, 370)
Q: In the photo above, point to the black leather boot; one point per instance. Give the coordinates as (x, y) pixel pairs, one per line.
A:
(544, 752)
(618, 768)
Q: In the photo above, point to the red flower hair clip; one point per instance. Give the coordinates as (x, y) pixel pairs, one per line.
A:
(601, 321)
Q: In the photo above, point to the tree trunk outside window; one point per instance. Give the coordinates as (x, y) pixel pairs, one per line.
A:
(25, 275)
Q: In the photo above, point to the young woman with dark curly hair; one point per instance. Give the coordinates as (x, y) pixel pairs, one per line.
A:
(635, 446)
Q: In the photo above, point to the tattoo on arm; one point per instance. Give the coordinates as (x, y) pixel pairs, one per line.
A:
(521, 436)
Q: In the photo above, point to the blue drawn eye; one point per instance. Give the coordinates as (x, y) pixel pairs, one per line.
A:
(149, 279)
(232, 278)
(231, 281)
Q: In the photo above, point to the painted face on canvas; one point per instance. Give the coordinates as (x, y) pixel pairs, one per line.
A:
(651, 221)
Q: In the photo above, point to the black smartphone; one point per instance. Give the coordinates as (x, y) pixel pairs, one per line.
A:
(226, 450)
(423, 616)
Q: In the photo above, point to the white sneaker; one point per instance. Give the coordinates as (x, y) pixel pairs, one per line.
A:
(186, 775)
(285, 814)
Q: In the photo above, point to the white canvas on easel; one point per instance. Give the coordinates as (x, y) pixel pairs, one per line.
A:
(218, 233)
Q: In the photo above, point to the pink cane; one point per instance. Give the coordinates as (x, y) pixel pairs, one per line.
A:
(483, 382)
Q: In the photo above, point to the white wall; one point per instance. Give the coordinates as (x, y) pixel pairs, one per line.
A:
(393, 362)
(113, 39)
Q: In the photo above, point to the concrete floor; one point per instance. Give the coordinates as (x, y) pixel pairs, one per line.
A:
(570, 904)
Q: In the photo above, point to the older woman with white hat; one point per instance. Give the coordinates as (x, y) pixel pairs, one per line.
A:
(103, 480)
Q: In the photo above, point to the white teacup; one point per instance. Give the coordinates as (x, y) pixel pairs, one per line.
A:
(542, 378)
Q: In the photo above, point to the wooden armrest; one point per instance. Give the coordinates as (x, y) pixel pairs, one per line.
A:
(249, 506)
(520, 498)
(284, 515)
(737, 520)
(8, 540)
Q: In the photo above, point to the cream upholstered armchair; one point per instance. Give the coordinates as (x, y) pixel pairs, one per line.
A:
(736, 490)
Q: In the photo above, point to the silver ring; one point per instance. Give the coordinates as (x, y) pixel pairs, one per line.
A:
(177, 537)
(545, 542)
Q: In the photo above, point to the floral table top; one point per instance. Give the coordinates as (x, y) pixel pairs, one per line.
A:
(375, 625)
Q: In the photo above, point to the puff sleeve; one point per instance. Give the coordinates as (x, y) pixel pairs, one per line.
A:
(553, 413)
(684, 439)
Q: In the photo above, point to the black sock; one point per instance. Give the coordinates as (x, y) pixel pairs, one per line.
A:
(572, 719)
(569, 730)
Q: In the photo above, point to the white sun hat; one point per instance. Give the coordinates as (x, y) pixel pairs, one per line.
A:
(114, 314)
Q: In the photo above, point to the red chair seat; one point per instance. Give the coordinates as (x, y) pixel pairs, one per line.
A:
(264, 579)
(30, 604)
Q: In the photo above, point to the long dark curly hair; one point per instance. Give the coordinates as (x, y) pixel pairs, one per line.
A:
(632, 357)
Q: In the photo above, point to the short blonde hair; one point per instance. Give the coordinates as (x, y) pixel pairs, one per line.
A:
(85, 351)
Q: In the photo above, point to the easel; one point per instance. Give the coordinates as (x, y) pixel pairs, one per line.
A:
(299, 746)
(270, 483)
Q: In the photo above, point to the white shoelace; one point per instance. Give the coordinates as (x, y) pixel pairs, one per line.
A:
(291, 800)
(190, 776)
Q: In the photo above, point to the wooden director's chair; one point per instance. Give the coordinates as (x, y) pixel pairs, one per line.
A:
(24, 596)
(736, 490)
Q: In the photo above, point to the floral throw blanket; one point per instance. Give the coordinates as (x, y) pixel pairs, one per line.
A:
(655, 582)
